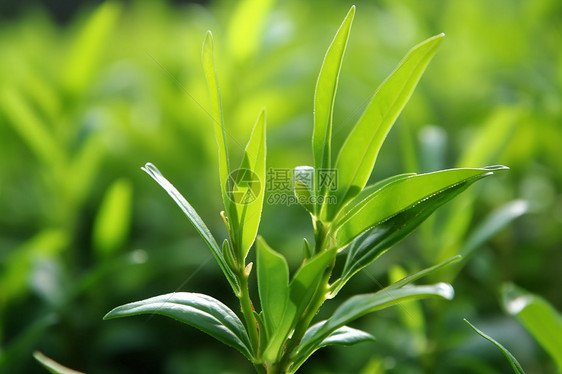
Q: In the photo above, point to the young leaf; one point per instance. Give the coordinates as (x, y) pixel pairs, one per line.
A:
(196, 221)
(398, 196)
(359, 152)
(325, 95)
(304, 186)
(538, 316)
(512, 360)
(198, 310)
(249, 186)
(360, 305)
(343, 336)
(273, 285)
(302, 288)
(208, 60)
(53, 366)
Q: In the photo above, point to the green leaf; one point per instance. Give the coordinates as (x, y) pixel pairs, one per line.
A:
(198, 310)
(53, 366)
(369, 246)
(304, 186)
(246, 27)
(247, 189)
(402, 196)
(325, 95)
(499, 219)
(422, 273)
(360, 305)
(359, 152)
(196, 221)
(208, 60)
(538, 316)
(273, 285)
(84, 55)
(28, 124)
(512, 360)
(343, 336)
(113, 220)
(302, 288)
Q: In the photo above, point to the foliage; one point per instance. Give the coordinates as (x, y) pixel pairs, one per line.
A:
(87, 100)
(279, 338)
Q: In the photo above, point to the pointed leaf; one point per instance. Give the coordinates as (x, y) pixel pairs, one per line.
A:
(400, 195)
(325, 95)
(246, 189)
(53, 366)
(499, 219)
(423, 273)
(360, 305)
(273, 285)
(343, 336)
(302, 288)
(208, 60)
(369, 246)
(359, 152)
(512, 360)
(304, 186)
(198, 310)
(195, 220)
(538, 316)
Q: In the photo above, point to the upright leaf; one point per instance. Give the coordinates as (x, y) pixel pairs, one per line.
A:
(209, 69)
(512, 360)
(198, 310)
(273, 285)
(539, 317)
(325, 95)
(359, 152)
(248, 183)
(302, 288)
(398, 196)
(196, 221)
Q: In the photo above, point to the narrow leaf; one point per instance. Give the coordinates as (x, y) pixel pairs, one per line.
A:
(113, 220)
(325, 95)
(423, 273)
(198, 310)
(538, 316)
(400, 195)
(367, 247)
(359, 152)
(360, 305)
(246, 189)
(343, 336)
(304, 186)
(499, 219)
(53, 366)
(195, 220)
(302, 288)
(512, 360)
(209, 69)
(273, 285)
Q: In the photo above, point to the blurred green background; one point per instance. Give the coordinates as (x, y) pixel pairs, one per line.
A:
(90, 92)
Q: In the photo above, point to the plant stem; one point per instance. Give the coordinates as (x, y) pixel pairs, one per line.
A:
(248, 312)
(319, 297)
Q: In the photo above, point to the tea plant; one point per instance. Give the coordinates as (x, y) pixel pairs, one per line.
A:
(353, 223)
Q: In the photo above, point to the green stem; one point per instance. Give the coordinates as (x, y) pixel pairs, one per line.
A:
(248, 312)
(319, 298)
